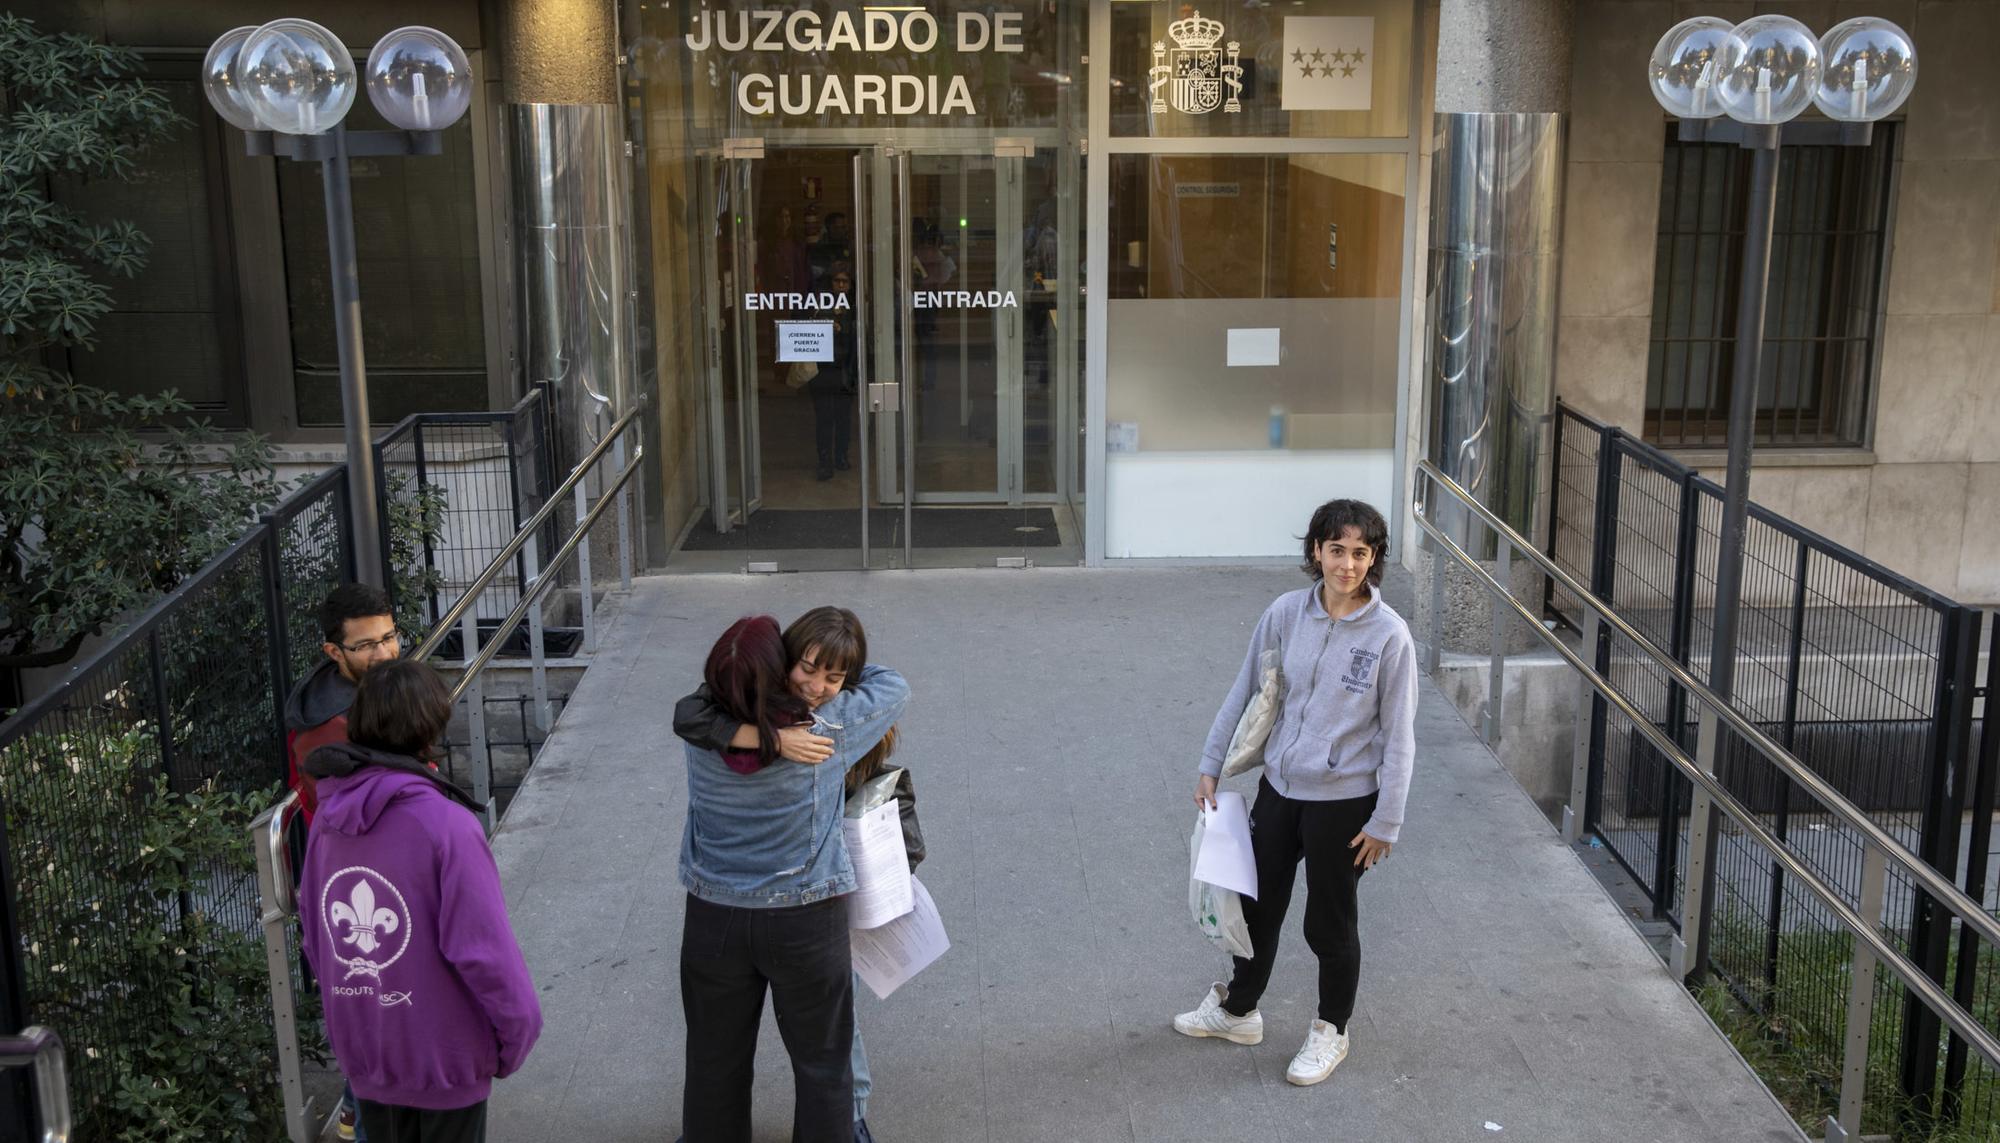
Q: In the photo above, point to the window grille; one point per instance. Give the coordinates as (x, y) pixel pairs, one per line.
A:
(1822, 316)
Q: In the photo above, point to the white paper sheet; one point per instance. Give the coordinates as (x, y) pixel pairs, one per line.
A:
(888, 956)
(805, 341)
(881, 867)
(1226, 860)
(1255, 347)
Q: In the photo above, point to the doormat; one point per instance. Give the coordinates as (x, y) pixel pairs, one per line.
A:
(799, 528)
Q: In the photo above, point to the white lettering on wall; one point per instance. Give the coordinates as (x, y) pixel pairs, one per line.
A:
(796, 301)
(807, 94)
(963, 300)
(812, 91)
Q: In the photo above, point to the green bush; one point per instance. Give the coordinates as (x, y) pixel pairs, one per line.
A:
(138, 916)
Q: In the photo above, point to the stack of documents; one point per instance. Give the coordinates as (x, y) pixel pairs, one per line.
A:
(896, 930)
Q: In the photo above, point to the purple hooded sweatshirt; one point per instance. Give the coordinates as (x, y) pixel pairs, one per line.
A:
(427, 996)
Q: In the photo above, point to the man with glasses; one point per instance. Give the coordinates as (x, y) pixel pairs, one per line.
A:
(359, 626)
(360, 631)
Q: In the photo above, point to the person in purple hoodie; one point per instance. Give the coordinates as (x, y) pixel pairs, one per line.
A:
(427, 997)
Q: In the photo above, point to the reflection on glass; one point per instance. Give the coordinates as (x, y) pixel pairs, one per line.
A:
(1255, 301)
(1310, 69)
(416, 241)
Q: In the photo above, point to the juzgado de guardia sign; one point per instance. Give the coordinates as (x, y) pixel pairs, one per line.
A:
(876, 32)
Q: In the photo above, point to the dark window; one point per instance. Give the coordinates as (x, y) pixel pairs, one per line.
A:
(173, 325)
(1821, 316)
(416, 239)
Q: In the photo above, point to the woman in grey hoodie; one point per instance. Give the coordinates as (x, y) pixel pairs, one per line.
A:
(1336, 773)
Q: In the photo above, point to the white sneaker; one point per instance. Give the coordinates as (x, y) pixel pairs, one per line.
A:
(1322, 1052)
(1211, 1020)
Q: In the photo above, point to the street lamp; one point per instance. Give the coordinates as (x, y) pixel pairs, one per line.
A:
(1761, 74)
(287, 85)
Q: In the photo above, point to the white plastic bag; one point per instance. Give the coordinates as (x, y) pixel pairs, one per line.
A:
(1218, 913)
(1246, 746)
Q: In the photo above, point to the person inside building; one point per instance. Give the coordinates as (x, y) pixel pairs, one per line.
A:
(1336, 775)
(426, 994)
(766, 870)
(832, 388)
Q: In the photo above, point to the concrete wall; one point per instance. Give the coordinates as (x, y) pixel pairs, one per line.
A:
(1923, 500)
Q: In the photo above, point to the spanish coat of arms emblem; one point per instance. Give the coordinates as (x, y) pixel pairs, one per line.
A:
(1197, 71)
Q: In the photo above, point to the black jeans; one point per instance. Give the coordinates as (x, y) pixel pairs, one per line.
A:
(1282, 830)
(833, 416)
(729, 956)
(385, 1123)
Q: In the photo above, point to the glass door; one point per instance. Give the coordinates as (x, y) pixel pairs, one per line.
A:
(888, 383)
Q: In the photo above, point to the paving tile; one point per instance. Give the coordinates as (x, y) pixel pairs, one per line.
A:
(1054, 732)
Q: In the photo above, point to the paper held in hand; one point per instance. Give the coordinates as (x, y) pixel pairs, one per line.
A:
(1225, 859)
(887, 956)
(881, 867)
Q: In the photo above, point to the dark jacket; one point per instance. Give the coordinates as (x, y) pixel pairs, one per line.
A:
(315, 716)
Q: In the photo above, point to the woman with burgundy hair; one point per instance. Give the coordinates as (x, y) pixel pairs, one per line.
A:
(766, 871)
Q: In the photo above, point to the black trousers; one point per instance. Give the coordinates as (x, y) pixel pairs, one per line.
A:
(385, 1123)
(1282, 831)
(833, 417)
(729, 957)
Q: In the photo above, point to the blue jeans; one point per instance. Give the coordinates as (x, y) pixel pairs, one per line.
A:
(863, 1084)
(347, 1100)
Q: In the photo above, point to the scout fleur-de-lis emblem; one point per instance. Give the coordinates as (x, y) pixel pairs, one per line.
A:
(366, 922)
(1197, 71)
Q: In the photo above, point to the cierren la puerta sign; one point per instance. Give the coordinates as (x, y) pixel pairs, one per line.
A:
(875, 33)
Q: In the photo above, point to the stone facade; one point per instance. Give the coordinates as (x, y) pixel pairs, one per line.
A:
(1924, 498)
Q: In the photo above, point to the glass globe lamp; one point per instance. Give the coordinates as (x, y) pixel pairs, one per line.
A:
(1687, 66)
(1770, 70)
(419, 79)
(297, 77)
(1868, 67)
(218, 80)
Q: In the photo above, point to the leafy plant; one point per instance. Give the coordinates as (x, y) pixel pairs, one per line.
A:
(138, 914)
(106, 499)
(416, 525)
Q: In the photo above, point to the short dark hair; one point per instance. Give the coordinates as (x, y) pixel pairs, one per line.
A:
(351, 601)
(836, 632)
(1337, 516)
(746, 676)
(400, 707)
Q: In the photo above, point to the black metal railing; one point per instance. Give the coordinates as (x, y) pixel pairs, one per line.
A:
(467, 480)
(187, 703)
(1865, 675)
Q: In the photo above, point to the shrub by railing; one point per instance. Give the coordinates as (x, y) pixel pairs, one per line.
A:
(129, 915)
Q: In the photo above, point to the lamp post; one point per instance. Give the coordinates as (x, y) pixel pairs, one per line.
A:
(287, 85)
(1761, 74)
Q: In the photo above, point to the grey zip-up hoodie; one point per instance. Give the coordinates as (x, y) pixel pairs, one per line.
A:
(1347, 721)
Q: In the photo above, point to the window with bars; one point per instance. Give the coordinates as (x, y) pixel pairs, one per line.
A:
(1821, 318)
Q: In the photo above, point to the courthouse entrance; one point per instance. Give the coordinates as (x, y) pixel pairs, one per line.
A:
(886, 383)
(868, 230)
(869, 220)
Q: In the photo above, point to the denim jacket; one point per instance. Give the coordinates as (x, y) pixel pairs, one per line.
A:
(772, 838)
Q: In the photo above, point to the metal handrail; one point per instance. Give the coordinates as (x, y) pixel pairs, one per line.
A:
(1933, 882)
(41, 1049)
(268, 829)
(1969, 912)
(456, 612)
(539, 584)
